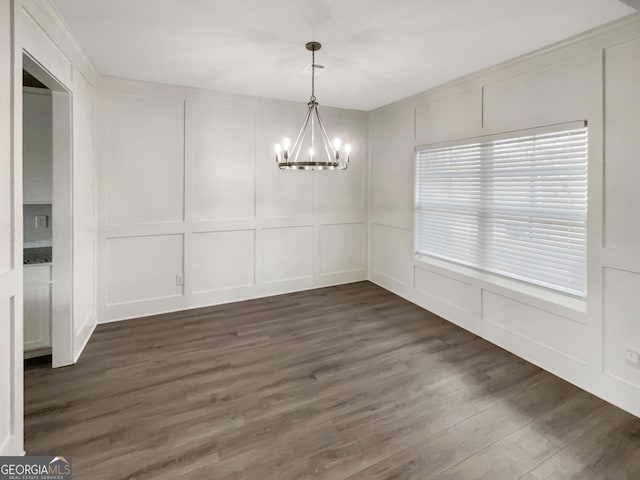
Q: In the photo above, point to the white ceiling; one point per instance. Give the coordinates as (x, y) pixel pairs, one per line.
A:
(377, 51)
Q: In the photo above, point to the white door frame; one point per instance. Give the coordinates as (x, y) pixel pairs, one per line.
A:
(11, 400)
(62, 209)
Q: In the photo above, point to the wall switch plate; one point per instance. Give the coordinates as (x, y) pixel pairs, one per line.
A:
(179, 280)
(42, 221)
(632, 357)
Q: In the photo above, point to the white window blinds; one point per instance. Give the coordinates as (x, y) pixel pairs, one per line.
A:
(514, 206)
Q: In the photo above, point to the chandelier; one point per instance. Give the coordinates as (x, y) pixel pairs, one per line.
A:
(329, 155)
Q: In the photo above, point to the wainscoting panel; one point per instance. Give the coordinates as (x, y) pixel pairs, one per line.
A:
(341, 248)
(452, 118)
(533, 324)
(221, 142)
(390, 254)
(143, 268)
(144, 149)
(443, 288)
(622, 324)
(286, 253)
(622, 143)
(223, 260)
(554, 94)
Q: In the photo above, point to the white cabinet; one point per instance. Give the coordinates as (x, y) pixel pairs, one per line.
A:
(37, 146)
(37, 307)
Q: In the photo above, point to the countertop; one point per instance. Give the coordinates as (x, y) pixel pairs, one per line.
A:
(37, 255)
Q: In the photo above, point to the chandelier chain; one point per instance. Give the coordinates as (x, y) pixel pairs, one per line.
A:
(313, 75)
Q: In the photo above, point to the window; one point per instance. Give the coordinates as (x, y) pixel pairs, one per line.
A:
(515, 206)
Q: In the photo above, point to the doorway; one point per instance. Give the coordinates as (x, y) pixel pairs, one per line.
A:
(47, 215)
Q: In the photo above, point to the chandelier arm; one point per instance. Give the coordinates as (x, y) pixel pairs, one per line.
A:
(297, 145)
(325, 138)
(345, 160)
(313, 129)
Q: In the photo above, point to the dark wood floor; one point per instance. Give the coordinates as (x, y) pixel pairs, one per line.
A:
(348, 382)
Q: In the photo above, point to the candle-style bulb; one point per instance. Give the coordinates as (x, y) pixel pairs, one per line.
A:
(278, 149)
(286, 143)
(311, 152)
(347, 148)
(337, 143)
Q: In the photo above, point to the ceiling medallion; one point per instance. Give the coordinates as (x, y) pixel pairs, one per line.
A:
(330, 155)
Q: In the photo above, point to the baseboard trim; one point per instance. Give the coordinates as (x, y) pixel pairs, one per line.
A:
(222, 297)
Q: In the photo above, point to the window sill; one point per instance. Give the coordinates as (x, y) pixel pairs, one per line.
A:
(576, 306)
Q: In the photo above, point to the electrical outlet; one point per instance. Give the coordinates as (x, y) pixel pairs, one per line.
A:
(42, 221)
(179, 280)
(632, 358)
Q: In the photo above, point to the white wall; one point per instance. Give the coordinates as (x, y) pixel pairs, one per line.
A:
(37, 165)
(189, 186)
(38, 30)
(584, 342)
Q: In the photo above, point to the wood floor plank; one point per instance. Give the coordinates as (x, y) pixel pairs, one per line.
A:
(487, 427)
(509, 459)
(529, 476)
(570, 420)
(422, 460)
(348, 382)
(609, 451)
